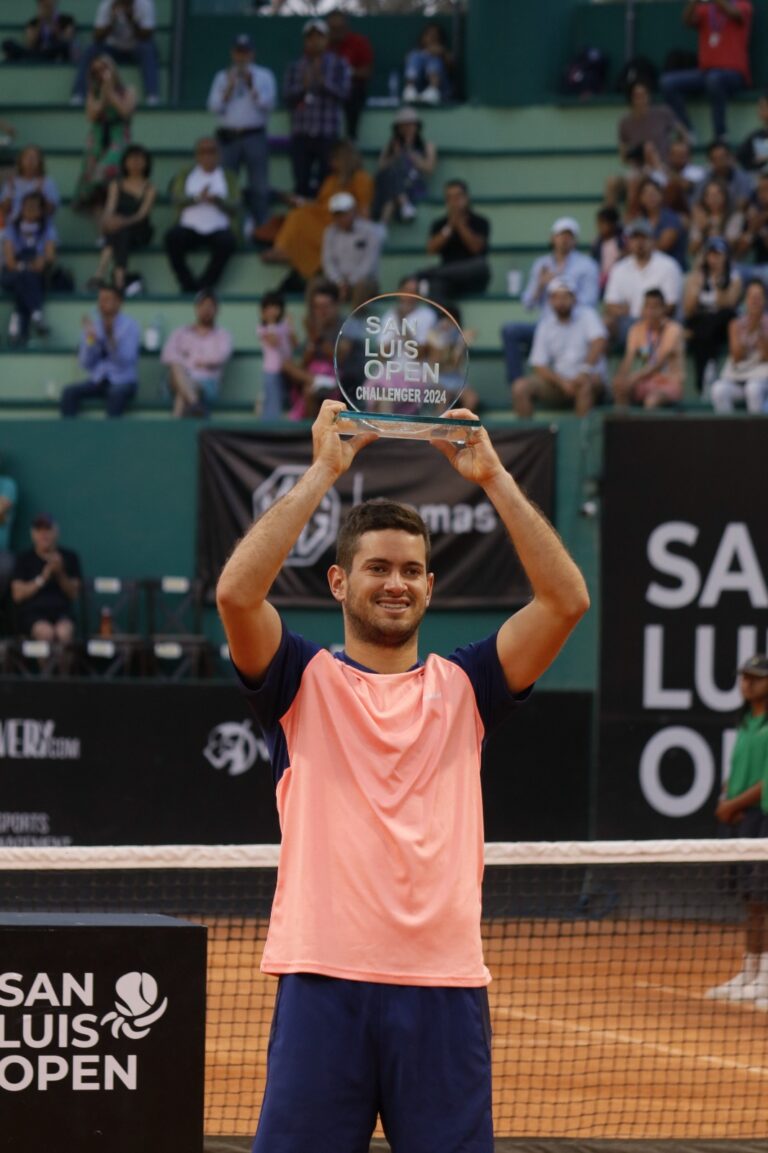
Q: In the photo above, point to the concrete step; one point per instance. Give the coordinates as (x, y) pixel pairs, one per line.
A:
(19, 11)
(46, 83)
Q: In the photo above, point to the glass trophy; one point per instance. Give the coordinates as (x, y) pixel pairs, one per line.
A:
(401, 364)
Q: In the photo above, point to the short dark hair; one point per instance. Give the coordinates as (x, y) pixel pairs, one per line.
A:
(374, 516)
(718, 143)
(755, 280)
(136, 150)
(325, 288)
(273, 298)
(609, 213)
(456, 183)
(655, 294)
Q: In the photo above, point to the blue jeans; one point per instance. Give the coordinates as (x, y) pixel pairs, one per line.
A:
(252, 152)
(144, 55)
(422, 67)
(28, 291)
(517, 339)
(273, 396)
(717, 83)
(116, 396)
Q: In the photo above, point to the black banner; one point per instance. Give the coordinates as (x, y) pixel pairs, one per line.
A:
(242, 474)
(684, 598)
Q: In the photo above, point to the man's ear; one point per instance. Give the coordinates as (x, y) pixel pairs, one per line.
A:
(337, 582)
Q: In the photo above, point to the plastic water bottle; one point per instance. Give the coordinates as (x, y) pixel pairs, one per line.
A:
(153, 334)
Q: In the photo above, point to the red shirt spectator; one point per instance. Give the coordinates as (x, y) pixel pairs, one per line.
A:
(357, 50)
(723, 41)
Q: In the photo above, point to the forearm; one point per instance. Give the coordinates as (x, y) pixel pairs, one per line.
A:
(68, 585)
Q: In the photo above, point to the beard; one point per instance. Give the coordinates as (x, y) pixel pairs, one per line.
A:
(390, 634)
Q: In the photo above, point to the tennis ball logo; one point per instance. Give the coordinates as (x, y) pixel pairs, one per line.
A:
(136, 1006)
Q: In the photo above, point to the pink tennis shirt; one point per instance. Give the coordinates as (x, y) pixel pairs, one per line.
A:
(378, 792)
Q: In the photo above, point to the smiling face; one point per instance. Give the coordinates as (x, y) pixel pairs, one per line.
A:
(754, 690)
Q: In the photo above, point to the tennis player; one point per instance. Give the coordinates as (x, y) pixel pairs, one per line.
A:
(375, 931)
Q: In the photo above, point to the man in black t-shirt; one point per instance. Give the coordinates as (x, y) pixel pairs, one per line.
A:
(460, 239)
(45, 585)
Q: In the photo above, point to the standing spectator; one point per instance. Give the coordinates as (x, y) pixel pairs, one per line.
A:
(50, 35)
(564, 263)
(405, 164)
(428, 68)
(567, 358)
(710, 296)
(278, 340)
(206, 198)
(667, 229)
(713, 215)
(108, 108)
(633, 276)
(30, 176)
(312, 379)
(357, 50)
(8, 502)
(29, 250)
(744, 376)
(196, 356)
(46, 585)
(315, 88)
(125, 225)
(242, 97)
(724, 28)
(608, 247)
(752, 153)
(109, 353)
(124, 30)
(351, 250)
(657, 343)
(460, 239)
(645, 134)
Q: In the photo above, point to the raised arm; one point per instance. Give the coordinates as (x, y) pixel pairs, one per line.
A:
(251, 623)
(529, 640)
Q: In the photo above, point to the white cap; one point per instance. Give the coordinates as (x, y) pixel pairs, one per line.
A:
(560, 284)
(315, 26)
(565, 224)
(342, 202)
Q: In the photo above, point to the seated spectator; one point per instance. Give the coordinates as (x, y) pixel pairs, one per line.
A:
(196, 356)
(562, 262)
(242, 97)
(609, 243)
(422, 317)
(30, 176)
(460, 239)
(315, 89)
(405, 164)
(429, 68)
(667, 229)
(125, 225)
(49, 35)
(109, 353)
(645, 134)
(8, 502)
(711, 294)
(752, 153)
(45, 585)
(29, 250)
(445, 344)
(755, 235)
(351, 251)
(206, 198)
(278, 341)
(312, 379)
(357, 50)
(713, 215)
(656, 343)
(633, 276)
(743, 378)
(124, 30)
(108, 108)
(299, 241)
(723, 167)
(724, 28)
(681, 179)
(567, 357)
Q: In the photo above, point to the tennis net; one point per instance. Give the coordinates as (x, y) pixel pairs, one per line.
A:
(602, 955)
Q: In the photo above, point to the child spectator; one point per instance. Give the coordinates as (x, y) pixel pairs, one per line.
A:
(125, 224)
(29, 250)
(278, 341)
(109, 108)
(608, 247)
(428, 68)
(405, 164)
(30, 176)
(744, 376)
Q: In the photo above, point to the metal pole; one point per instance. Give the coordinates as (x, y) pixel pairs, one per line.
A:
(629, 31)
(179, 18)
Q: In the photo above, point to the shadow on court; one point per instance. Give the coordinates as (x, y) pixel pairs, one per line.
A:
(558, 1145)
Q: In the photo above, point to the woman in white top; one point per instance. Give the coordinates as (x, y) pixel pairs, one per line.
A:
(744, 376)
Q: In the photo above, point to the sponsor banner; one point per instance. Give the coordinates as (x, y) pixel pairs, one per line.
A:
(684, 598)
(111, 1007)
(242, 474)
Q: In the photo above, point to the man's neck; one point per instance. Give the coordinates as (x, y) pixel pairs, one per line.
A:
(381, 658)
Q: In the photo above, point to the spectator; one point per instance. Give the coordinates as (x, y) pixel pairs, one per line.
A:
(667, 229)
(357, 50)
(567, 358)
(711, 294)
(422, 317)
(242, 97)
(681, 178)
(125, 225)
(608, 247)
(753, 152)
(312, 379)
(315, 90)
(196, 356)
(30, 176)
(723, 167)
(428, 68)
(645, 134)
(109, 353)
(29, 250)
(300, 239)
(744, 376)
(723, 59)
(8, 501)
(124, 30)
(755, 235)
(351, 250)
(405, 164)
(633, 276)
(460, 239)
(109, 108)
(656, 342)
(50, 35)
(206, 198)
(278, 341)
(45, 585)
(562, 262)
(714, 216)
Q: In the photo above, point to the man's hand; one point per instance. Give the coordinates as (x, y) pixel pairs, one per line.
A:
(476, 460)
(330, 449)
(729, 812)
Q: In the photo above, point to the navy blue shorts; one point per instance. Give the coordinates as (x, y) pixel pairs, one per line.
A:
(341, 1052)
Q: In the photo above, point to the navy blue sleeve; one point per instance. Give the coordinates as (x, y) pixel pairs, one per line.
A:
(495, 701)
